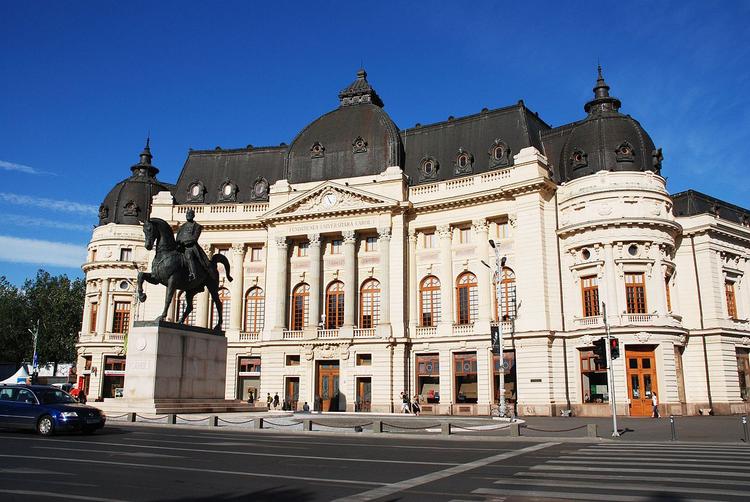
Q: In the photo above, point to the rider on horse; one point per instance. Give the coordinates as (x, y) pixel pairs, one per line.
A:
(187, 240)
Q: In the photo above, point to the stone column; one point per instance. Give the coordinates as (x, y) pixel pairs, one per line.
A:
(203, 299)
(413, 288)
(384, 241)
(350, 278)
(445, 326)
(609, 293)
(658, 274)
(238, 272)
(282, 261)
(86, 322)
(481, 229)
(103, 311)
(313, 252)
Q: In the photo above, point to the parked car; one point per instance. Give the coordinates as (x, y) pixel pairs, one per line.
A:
(46, 409)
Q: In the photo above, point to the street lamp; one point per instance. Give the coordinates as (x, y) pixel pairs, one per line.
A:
(499, 263)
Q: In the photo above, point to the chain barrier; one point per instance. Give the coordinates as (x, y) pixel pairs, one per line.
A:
(555, 430)
(279, 425)
(411, 428)
(115, 417)
(236, 423)
(192, 419)
(498, 428)
(151, 418)
(340, 426)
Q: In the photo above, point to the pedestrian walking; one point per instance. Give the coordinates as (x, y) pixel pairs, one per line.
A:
(405, 405)
(82, 396)
(275, 400)
(250, 395)
(655, 402)
(416, 408)
(269, 401)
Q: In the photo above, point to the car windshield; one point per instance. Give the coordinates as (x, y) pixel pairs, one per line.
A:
(54, 396)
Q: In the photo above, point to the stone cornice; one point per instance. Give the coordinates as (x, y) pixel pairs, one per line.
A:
(669, 226)
(100, 265)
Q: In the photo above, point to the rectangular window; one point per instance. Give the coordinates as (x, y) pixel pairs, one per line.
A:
(364, 359)
(249, 365)
(222, 251)
(92, 321)
(635, 293)
(126, 254)
(114, 363)
(464, 235)
(743, 371)
(731, 303)
(121, 322)
(256, 253)
(590, 294)
(93, 255)
(371, 243)
(503, 230)
(669, 295)
(429, 240)
(336, 246)
(428, 377)
(593, 378)
(465, 372)
(302, 248)
(292, 360)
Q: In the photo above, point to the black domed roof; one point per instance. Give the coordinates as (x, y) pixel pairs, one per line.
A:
(356, 139)
(606, 140)
(129, 202)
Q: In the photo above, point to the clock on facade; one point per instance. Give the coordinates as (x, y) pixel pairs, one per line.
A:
(330, 199)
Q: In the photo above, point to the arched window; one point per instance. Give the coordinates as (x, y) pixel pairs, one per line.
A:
(335, 305)
(300, 307)
(429, 301)
(507, 296)
(180, 305)
(466, 298)
(254, 310)
(369, 301)
(226, 305)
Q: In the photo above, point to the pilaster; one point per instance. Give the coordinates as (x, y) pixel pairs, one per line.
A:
(445, 325)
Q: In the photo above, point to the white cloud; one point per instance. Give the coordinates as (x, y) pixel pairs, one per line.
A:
(23, 221)
(53, 204)
(61, 254)
(21, 168)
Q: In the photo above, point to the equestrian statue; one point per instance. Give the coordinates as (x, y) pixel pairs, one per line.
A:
(181, 264)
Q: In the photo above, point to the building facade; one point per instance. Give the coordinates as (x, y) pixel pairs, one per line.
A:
(363, 267)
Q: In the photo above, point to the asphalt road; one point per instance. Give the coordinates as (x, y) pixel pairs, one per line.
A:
(135, 463)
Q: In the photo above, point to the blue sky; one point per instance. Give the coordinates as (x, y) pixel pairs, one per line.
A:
(82, 83)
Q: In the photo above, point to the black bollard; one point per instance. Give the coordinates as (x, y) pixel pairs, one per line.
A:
(672, 427)
(744, 428)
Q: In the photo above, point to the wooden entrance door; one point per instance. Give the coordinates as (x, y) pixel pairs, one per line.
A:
(364, 394)
(291, 396)
(327, 392)
(641, 371)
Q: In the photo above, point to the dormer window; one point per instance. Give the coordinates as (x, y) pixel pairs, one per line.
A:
(228, 191)
(464, 161)
(428, 169)
(103, 212)
(578, 159)
(196, 190)
(359, 145)
(499, 154)
(260, 189)
(317, 150)
(624, 152)
(131, 209)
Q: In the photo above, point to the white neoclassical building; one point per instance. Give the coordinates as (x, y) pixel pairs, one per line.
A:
(363, 268)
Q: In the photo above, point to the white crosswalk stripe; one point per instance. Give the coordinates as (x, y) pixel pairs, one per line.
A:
(632, 472)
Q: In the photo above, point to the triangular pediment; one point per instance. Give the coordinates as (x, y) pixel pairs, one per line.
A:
(329, 198)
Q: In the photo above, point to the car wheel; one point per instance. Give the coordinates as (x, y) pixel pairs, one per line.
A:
(45, 426)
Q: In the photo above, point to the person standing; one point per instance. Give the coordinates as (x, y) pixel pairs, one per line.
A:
(269, 401)
(655, 403)
(275, 400)
(416, 408)
(82, 396)
(405, 405)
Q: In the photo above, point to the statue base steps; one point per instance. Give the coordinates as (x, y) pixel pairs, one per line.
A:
(115, 406)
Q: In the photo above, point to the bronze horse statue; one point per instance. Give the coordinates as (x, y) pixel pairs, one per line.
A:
(170, 269)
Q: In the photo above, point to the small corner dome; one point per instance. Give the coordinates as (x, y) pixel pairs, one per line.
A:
(129, 202)
(356, 139)
(607, 140)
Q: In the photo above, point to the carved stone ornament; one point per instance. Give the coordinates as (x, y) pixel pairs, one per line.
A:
(745, 340)
(281, 242)
(480, 225)
(227, 191)
(131, 209)
(464, 162)
(317, 150)
(208, 249)
(238, 249)
(384, 234)
(682, 339)
(196, 191)
(643, 336)
(428, 169)
(578, 159)
(625, 152)
(308, 352)
(587, 340)
(103, 212)
(313, 239)
(332, 199)
(444, 231)
(499, 154)
(359, 145)
(350, 236)
(259, 190)
(326, 351)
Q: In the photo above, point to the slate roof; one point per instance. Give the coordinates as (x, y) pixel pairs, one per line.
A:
(691, 203)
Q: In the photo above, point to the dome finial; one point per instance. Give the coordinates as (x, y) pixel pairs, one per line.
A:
(144, 166)
(359, 91)
(602, 102)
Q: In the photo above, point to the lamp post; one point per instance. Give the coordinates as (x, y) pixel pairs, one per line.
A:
(499, 263)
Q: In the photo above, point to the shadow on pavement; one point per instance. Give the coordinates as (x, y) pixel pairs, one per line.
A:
(268, 495)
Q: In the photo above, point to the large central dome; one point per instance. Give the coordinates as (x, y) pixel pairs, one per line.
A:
(356, 139)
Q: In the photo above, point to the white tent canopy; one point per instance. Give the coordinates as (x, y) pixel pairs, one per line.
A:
(21, 376)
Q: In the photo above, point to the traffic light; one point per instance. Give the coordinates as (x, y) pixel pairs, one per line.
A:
(600, 350)
(495, 337)
(614, 347)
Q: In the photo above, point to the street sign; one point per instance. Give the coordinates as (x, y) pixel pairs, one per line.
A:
(495, 336)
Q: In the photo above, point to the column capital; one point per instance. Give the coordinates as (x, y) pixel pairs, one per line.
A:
(208, 249)
(480, 225)
(314, 239)
(238, 248)
(413, 236)
(350, 236)
(281, 242)
(384, 233)
(444, 231)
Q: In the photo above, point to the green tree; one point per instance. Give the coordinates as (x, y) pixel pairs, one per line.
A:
(15, 340)
(57, 303)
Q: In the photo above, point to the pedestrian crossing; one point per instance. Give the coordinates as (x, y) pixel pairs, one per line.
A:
(631, 472)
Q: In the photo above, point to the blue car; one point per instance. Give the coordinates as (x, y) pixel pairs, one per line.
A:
(46, 409)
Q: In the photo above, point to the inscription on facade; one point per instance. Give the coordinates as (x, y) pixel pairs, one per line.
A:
(332, 225)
